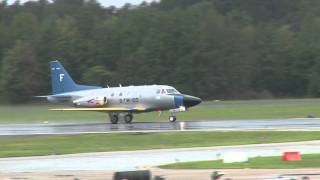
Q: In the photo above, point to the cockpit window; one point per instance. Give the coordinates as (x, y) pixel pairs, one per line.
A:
(172, 91)
(167, 91)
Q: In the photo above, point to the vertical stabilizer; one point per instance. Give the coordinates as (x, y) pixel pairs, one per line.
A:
(62, 81)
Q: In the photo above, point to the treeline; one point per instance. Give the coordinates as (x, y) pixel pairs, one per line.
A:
(214, 49)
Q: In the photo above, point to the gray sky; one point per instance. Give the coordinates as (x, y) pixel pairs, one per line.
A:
(117, 3)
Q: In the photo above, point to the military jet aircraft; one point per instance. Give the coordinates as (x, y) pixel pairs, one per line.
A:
(116, 100)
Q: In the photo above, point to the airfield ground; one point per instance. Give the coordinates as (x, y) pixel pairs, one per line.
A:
(13, 146)
(211, 110)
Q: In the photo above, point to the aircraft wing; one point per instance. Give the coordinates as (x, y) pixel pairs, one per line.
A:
(139, 109)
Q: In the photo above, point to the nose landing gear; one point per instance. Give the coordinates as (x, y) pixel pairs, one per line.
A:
(172, 118)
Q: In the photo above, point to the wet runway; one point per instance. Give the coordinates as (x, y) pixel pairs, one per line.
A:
(217, 125)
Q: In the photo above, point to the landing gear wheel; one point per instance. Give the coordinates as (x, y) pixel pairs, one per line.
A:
(114, 119)
(172, 118)
(128, 118)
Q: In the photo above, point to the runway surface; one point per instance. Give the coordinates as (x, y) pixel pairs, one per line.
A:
(131, 160)
(216, 125)
(204, 174)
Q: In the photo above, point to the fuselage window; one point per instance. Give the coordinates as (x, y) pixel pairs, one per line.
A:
(120, 94)
(163, 91)
(112, 94)
(158, 91)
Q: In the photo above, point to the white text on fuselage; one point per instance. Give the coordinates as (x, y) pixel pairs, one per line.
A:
(128, 100)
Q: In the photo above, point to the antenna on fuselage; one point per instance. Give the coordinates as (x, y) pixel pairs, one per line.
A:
(120, 85)
(108, 86)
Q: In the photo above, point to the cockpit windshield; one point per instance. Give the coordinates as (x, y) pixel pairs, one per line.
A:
(172, 91)
(167, 91)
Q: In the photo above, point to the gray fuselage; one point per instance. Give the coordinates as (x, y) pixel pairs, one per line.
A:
(152, 97)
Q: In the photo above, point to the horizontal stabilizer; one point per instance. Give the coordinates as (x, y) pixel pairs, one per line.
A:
(57, 96)
(61, 96)
(41, 96)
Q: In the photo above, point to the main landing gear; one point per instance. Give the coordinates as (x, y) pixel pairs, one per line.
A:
(128, 118)
(114, 118)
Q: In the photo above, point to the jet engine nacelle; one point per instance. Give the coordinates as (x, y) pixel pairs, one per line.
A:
(91, 101)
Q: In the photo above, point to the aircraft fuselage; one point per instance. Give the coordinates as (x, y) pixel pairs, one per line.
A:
(151, 98)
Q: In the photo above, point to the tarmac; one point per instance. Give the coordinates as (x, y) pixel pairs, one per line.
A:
(214, 125)
(205, 174)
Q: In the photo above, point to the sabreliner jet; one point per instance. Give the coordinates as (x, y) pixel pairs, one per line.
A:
(116, 100)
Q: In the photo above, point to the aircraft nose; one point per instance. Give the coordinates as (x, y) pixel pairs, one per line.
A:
(189, 101)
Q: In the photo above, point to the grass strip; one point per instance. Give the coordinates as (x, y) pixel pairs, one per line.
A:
(13, 146)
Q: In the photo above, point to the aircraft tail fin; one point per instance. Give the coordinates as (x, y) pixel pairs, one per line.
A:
(62, 81)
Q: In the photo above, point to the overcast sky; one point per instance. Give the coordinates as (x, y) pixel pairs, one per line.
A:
(117, 3)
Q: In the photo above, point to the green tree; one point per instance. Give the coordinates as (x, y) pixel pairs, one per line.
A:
(314, 86)
(20, 73)
(97, 75)
(25, 27)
